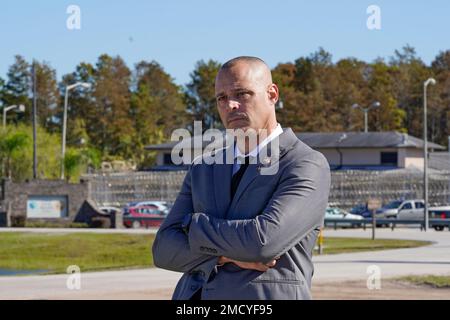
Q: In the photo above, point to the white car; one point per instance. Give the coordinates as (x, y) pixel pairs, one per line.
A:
(110, 210)
(340, 214)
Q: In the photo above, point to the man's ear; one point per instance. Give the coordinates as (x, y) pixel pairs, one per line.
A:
(273, 93)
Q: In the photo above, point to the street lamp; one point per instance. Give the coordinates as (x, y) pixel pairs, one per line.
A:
(63, 146)
(425, 150)
(279, 105)
(376, 104)
(20, 108)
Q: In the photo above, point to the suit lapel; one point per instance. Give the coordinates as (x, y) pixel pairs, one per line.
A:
(286, 142)
(222, 182)
(250, 174)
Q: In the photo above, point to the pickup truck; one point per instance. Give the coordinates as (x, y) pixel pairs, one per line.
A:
(413, 210)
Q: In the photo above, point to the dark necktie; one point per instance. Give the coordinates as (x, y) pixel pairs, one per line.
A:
(238, 176)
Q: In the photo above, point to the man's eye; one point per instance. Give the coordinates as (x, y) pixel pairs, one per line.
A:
(243, 94)
(220, 99)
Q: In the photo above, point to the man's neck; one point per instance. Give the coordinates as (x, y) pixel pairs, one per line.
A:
(263, 134)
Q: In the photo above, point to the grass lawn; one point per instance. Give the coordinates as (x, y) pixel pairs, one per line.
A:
(430, 280)
(55, 252)
(344, 245)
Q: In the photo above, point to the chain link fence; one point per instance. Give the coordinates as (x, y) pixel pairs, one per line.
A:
(117, 189)
(348, 188)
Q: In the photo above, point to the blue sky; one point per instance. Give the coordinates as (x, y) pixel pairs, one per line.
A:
(179, 33)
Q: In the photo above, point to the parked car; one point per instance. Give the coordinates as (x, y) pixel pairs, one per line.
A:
(439, 213)
(389, 210)
(144, 216)
(411, 210)
(160, 205)
(414, 210)
(110, 210)
(361, 210)
(342, 216)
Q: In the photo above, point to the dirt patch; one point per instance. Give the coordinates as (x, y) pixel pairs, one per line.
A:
(390, 289)
(347, 290)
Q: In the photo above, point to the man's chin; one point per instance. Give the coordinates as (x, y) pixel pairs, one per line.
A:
(243, 127)
(238, 124)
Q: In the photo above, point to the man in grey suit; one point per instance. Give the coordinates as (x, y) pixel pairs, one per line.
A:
(234, 232)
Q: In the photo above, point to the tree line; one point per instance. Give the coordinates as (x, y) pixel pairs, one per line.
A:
(126, 109)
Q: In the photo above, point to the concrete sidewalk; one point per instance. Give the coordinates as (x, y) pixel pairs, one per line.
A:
(149, 283)
(433, 259)
(158, 284)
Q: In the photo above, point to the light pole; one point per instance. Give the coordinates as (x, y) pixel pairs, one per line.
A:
(425, 151)
(63, 143)
(20, 108)
(376, 104)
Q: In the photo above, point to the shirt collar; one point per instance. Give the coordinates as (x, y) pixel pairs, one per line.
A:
(278, 130)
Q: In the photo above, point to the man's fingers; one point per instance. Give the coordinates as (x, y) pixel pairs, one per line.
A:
(271, 263)
(263, 268)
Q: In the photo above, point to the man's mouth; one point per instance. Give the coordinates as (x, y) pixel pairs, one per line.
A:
(236, 119)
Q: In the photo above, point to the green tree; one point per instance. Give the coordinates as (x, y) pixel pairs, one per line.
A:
(351, 87)
(440, 97)
(10, 146)
(165, 97)
(389, 116)
(81, 112)
(114, 130)
(47, 95)
(2, 92)
(408, 72)
(18, 152)
(145, 121)
(18, 86)
(200, 94)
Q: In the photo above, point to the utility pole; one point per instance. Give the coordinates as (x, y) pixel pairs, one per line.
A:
(425, 151)
(34, 122)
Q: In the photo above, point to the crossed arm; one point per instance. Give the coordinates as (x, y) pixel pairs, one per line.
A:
(297, 207)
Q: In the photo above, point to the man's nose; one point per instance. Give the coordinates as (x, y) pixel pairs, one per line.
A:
(233, 105)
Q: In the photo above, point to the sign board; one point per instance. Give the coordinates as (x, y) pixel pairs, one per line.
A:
(373, 204)
(47, 207)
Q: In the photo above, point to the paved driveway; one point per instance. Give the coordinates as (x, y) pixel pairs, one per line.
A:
(158, 284)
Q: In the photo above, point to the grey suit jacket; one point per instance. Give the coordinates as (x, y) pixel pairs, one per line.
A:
(270, 216)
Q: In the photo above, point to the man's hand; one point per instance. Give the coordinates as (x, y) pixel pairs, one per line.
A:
(258, 266)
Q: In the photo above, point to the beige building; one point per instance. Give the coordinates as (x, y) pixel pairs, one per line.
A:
(371, 150)
(344, 150)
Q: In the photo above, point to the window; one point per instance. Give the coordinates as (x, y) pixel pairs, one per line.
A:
(406, 206)
(419, 205)
(389, 158)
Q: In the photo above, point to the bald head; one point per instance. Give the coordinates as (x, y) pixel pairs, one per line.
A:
(245, 94)
(256, 65)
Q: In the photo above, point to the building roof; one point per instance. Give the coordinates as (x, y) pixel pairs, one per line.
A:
(389, 139)
(194, 141)
(318, 140)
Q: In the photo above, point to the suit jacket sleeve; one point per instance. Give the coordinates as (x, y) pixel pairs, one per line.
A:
(171, 248)
(297, 207)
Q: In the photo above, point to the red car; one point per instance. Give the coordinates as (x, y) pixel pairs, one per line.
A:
(143, 216)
